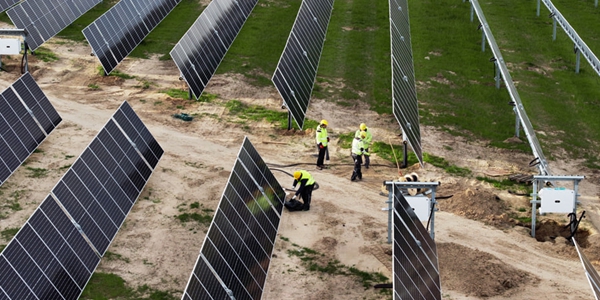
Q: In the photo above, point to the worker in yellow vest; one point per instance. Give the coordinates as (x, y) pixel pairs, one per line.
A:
(322, 141)
(307, 183)
(366, 142)
(357, 152)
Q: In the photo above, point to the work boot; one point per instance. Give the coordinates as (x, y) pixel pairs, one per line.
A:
(305, 208)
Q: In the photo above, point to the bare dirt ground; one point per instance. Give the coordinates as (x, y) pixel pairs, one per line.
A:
(483, 252)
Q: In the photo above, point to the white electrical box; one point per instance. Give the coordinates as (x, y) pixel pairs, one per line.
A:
(421, 205)
(557, 200)
(10, 46)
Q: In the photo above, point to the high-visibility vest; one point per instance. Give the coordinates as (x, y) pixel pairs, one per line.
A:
(322, 135)
(304, 175)
(357, 143)
(368, 139)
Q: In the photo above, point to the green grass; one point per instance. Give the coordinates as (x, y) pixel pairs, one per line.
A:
(176, 93)
(44, 54)
(8, 233)
(506, 184)
(37, 172)
(104, 286)
(115, 256)
(93, 86)
(258, 113)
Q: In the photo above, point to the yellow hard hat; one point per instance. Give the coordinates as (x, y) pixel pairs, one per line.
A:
(324, 122)
(297, 175)
(363, 135)
(363, 126)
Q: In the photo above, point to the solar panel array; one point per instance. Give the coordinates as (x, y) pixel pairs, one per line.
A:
(123, 27)
(415, 265)
(4, 4)
(590, 272)
(55, 253)
(404, 92)
(235, 257)
(26, 118)
(43, 19)
(296, 71)
(200, 51)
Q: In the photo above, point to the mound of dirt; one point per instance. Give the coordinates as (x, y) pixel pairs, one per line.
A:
(478, 204)
(478, 273)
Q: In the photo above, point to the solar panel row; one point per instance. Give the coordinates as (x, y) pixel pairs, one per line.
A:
(404, 93)
(415, 265)
(200, 51)
(115, 34)
(55, 253)
(26, 118)
(236, 253)
(296, 71)
(4, 4)
(43, 19)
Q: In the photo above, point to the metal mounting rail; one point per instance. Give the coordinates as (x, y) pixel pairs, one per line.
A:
(580, 45)
(512, 90)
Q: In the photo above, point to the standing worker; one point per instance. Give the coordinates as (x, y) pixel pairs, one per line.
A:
(322, 142)
(366, 141)
(357, 152)
(307, 183)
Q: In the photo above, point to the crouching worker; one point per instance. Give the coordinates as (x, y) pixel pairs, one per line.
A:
(307, 183)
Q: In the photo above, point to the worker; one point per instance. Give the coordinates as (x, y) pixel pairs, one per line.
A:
(357, 152)
(307, 183)
(367, 142)
(322, 142)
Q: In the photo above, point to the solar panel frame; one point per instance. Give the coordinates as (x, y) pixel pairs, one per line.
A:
(590, 272)
(404, 92)
(117, 32)
(302, 52)
(43, 20)
(6, 4)
(415, 262)
(48, 249)
(26, 119)
(237, 249)
(201, 49)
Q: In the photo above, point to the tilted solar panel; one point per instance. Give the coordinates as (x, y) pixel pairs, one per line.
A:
(47, 259)
(235, 257)
(296, 71)
(115, 34)
(415, 262)
(200, 51)
(102, 185)
(404, 92)
(5, 4)
(26, 118)
(43, 19)
(590, 272)
(55, 253)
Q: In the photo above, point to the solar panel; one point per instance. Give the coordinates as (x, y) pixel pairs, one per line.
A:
(43, 19)
(123, 27)
(4, 4)
(235, 257)
(200, 51)
(100, 188)
(404, 93)
(47, 259)
(590, 272)
(296, 71)
(415, 265)
(26, 118)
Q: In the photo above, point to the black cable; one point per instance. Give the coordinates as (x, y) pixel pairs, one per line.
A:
(316, 184)
(298, 164)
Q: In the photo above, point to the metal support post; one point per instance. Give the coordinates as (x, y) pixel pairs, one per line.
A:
(390, 210)
(497, 77)
(538, 8)
(553, 29)
(596, 3)
(404, 154)
(189, 90)
(432, 223)
(472, 12)
(577, 59)
(289, 120)
(517, 123)
(534, 203)
(482, 40)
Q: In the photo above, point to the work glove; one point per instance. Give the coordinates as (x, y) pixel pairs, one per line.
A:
(321, 146)
(327, 139)
(294, 198)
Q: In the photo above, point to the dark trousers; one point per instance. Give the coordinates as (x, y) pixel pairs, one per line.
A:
(321, 156)
(367, 158)
(357, 162)
(306, 196)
